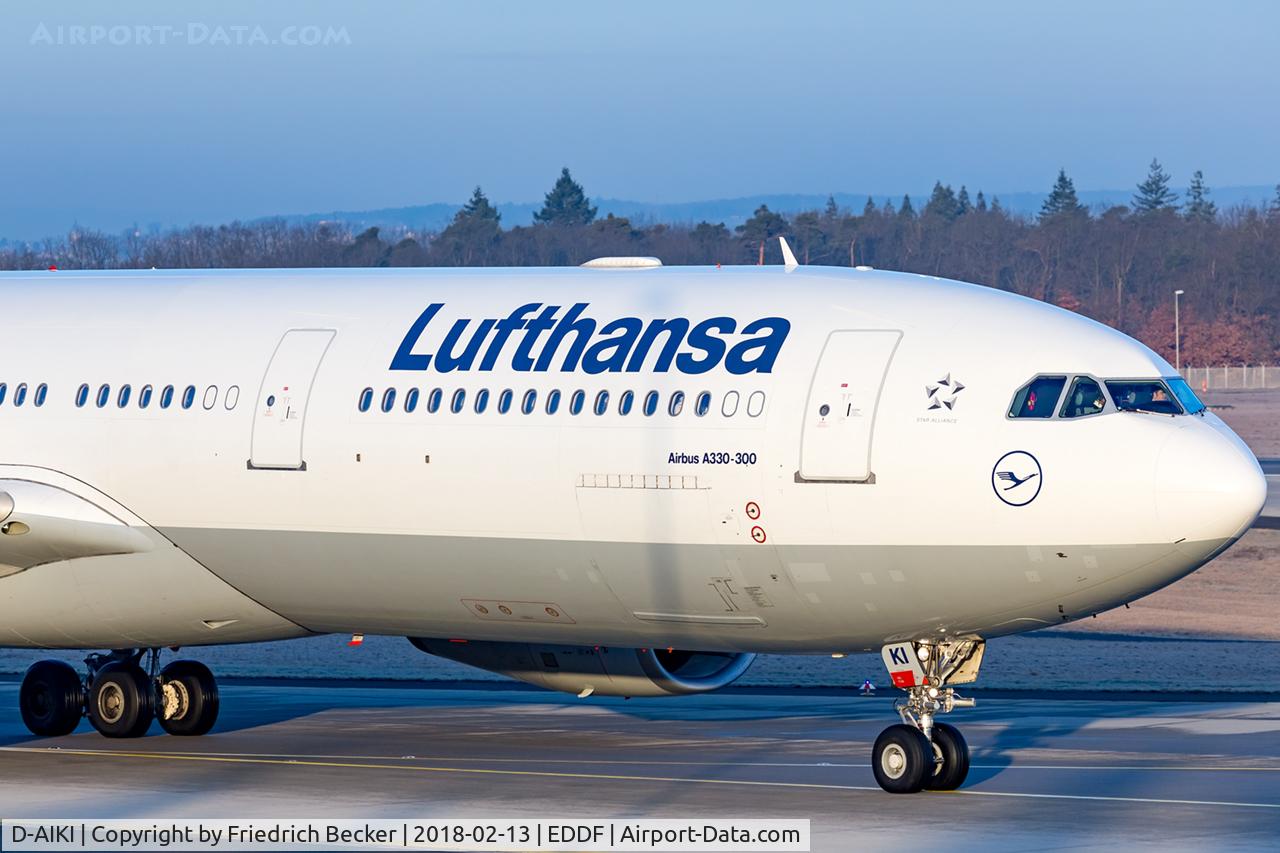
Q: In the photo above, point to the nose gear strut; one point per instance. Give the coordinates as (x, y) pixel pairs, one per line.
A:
(921, 752)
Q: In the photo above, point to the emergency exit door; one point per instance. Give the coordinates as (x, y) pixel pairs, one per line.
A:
(840, 416)
(282, 401)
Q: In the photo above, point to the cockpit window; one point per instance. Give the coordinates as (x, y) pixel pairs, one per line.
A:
(1190, 402)
(1084, 398)
(1148, 395)
(1038, 398)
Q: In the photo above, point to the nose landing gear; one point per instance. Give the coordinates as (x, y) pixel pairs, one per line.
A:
(920, 753)
(118, 696)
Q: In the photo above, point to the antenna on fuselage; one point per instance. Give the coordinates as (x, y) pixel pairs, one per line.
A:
(788, 256)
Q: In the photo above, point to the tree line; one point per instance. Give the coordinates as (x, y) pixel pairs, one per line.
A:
(1120, 265)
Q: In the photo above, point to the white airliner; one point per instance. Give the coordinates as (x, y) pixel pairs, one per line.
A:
(620, 479)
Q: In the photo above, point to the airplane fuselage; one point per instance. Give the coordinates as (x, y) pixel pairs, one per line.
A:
(840, 469)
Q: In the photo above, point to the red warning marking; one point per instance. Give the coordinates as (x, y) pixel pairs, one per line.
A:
(757, 533)
(753, 510)
(903, 678)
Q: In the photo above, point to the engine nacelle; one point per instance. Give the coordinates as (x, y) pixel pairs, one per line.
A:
(600, 671)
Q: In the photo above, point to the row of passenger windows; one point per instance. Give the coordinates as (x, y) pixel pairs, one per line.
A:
(577, 402)
(20, 392)
(1039, 397)
(169, 395)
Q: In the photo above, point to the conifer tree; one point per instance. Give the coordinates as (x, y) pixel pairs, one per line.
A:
(1062, 198)
(906, 211)
(1199, 208)
(942, 202)
(763, 225)
(963, 205)
(566, 204)
(473, 232)
(1154, 193)
(870, 207)
(981, 205)
(478, 208)
(832, 210)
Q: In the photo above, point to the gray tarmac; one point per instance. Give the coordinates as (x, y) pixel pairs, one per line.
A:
(1047, 773)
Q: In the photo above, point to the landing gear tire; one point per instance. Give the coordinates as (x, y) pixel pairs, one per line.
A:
(51, 699)
(952, 759)
(902, 759)
(121, 701)
(188, 698)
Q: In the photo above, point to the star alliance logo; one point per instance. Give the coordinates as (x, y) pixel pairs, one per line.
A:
(943, 393)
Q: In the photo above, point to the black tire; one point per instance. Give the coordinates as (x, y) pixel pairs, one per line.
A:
(950, 746)
(51, 698)
(188, 702)
(121, 701)
(901, 759)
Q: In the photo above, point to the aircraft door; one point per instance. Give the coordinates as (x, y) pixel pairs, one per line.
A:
(840, 414)
(282, 401)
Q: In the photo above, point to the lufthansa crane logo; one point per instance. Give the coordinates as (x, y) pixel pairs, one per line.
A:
(1016, 478)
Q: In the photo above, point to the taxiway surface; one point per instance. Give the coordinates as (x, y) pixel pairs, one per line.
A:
(1047, 773)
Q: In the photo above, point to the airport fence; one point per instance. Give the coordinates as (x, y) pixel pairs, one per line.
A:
(1234, 376)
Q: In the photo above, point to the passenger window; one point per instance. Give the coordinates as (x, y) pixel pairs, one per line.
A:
(504, 401)
(1085, 398)
(1147, 396)
(122, 399)
(433, 400)
(529, 402)
(676, 406)
(625, 401)
(755, 404)
(650, 403)
(42, 391)
(232, 397)
(576, 401)
(366, 399)
(553, 401)
(104, 394)
(703, 404)
(4, 388)
(388, 400)
(20, 394)
(144, 397)
(411, 399)
(188, 396)
(1038, 398)
(602, 403)
(459, 400)
(166, 397)
(211, 397)
(482, 400)
(82, 395)
(729, 404)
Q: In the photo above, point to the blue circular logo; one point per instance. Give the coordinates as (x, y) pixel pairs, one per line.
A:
(1016, 478)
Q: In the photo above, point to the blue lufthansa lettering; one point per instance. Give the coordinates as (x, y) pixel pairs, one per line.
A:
(544, 337)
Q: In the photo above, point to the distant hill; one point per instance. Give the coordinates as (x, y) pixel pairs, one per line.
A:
(735, 211)
(42, 220)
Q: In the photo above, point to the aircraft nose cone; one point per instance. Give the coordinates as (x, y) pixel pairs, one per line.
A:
(1209, 485)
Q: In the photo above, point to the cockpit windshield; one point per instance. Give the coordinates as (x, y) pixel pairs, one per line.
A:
(1185, 395)
(1145, 395)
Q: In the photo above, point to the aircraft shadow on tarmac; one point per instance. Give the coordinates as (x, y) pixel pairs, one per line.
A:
(827, 728)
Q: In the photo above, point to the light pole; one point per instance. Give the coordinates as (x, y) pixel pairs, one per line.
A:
(1177, 334)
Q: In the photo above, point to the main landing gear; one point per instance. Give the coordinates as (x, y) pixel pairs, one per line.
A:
(920, 753)
(119, 697)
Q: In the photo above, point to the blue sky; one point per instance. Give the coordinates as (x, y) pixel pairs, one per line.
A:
(657, 101)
